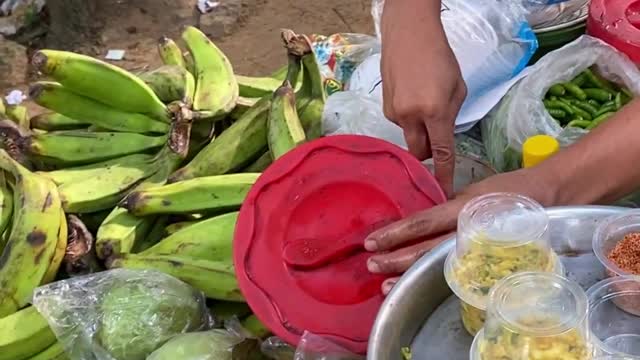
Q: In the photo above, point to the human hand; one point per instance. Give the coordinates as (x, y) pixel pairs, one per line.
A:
(401, 244)
(423, 88)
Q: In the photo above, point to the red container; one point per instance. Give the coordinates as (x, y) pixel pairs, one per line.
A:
(298, 247)
(617, 22)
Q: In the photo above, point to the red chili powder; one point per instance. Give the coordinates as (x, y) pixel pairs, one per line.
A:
(626, 254)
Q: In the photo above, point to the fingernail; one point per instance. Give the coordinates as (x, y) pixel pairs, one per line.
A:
(373, 266)
(370, 245)
(387, 286)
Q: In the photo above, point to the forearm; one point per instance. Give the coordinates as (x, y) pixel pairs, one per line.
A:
(602, 167)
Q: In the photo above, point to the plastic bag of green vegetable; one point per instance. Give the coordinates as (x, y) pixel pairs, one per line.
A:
(530, 107)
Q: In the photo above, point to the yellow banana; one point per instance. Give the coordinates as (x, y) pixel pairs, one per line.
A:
(210, 193)
(170, 52)
(74, 147)
(24, 334)
(171, 83)
(216, 85)
(61, 250)
(33, 236)
(175, 227)
(55, 122)
(210, 239)
(239, 145)
(261, 164)
(121, 230)
(6, 207)
(256, 87)
(101, 82)
(80, 257)
(53, 352)
(215, 279)
(3, 107)
(284, 129)
(54, 96)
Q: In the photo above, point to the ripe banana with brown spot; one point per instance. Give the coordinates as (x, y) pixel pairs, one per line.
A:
(33, 237)
(209, 193)
(54, 96)
(171, 83)
(61, 250)
(284, 129)
(216, 85)
(24, 334)
(101, 82)
(170, 52)
(215, 279)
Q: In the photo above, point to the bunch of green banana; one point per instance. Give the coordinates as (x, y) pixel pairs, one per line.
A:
(75, 147)
(211, 193)
(33, 237)
(171, 83)
(52, 121)
(284, 129)
(102, 82)
(216, 85)
(60, 99)
(24, 334)
(215, 279)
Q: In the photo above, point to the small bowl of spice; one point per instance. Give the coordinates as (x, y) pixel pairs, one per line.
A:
(616, 243)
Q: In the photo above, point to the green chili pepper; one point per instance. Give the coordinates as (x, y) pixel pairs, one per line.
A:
(557, 90)
(618, 101)
(575, 90)
(609, 103)
(560, 105)
(592, 110)
(599, 120)
(606, 109)
(626, 92)
(579, 123)
(597, 94)
(597, 81)
(594, 103)
(553, 97)
(580, 79)
(557, 113)
(576, 110)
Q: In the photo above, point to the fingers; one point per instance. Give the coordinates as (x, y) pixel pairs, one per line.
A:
(388, 285)
(415, 133)
(423, 224)
(399, 261)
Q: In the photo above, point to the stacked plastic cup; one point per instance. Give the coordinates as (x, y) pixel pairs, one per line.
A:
(498, 235)
(535, 315)
(614, 316)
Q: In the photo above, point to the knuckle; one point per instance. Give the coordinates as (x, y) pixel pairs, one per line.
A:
(419, 226)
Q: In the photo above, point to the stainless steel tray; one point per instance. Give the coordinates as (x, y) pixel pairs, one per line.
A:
(422, 313)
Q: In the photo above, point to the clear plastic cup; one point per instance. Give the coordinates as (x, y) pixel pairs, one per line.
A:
(615, 330)
(605, 238)
(533, 315)
(498, 235)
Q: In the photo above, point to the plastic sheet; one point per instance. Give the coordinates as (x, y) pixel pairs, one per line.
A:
(120, 314)
(521, 114)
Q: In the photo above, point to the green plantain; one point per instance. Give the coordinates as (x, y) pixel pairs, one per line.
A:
(284, 129)
(24, 334)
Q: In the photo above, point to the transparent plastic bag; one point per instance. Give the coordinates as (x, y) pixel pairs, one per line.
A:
(491, 39)
(120, 314)
(542, 13)
(521, 114)
(310, 347)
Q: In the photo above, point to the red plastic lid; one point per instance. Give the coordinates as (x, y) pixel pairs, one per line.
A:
(617, 22)
(298, 247)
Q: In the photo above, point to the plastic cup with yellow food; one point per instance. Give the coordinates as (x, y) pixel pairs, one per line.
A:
(499, 234)
(535, 315)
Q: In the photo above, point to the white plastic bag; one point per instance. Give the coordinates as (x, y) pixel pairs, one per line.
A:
(521, 114)
(310, 347)
(543, 13)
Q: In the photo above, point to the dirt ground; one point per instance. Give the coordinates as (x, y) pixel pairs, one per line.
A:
(250, 38)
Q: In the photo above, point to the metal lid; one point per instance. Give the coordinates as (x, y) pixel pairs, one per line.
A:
(564, 21)
(299, 242)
